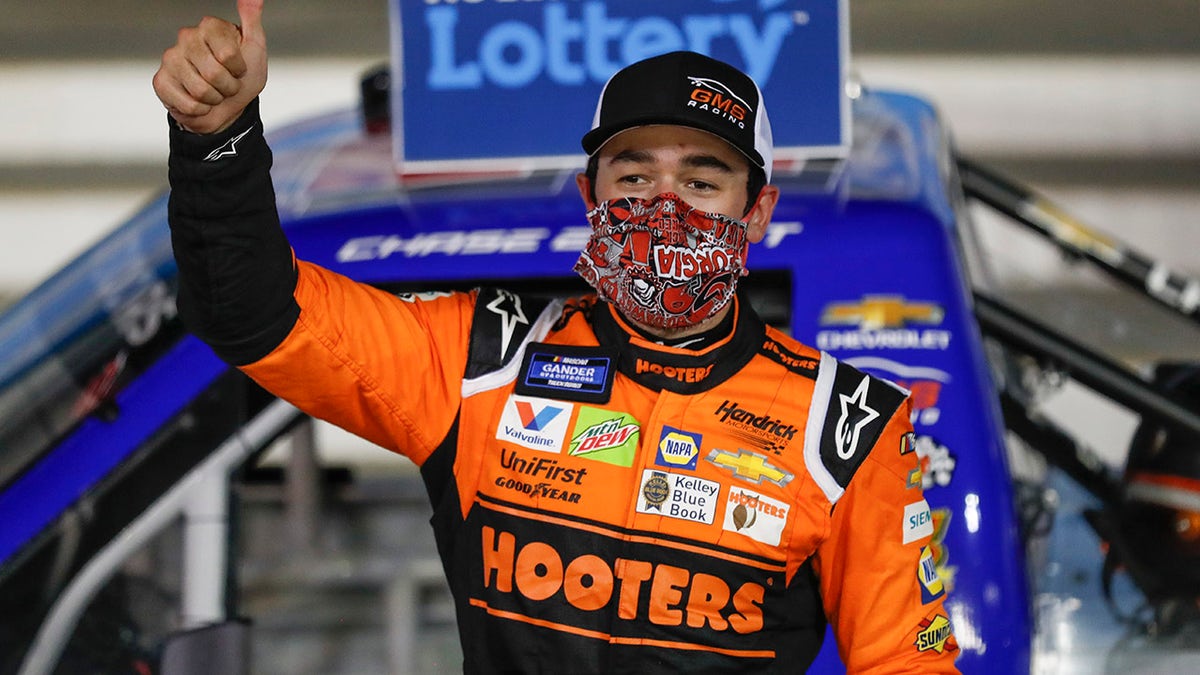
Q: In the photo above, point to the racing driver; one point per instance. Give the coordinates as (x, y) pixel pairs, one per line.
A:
(644, 480)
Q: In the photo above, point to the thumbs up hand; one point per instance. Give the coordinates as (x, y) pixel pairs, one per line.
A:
(214, 70)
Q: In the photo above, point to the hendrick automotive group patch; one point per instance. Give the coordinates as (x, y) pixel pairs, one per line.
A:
(576, 373)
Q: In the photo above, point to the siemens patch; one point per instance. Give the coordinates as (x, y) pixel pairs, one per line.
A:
(918, 522)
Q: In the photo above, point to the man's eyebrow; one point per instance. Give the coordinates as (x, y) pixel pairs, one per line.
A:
(632, 156)
(701, 161)
(707, 162)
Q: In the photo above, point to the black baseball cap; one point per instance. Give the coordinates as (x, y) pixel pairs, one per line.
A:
(688, 89)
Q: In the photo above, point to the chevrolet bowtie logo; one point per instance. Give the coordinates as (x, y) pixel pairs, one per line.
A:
(882, 311)
(749, 466)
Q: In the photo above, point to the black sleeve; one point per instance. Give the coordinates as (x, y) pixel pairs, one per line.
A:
(236, 275)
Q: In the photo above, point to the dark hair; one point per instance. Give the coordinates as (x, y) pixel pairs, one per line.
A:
(754, 184)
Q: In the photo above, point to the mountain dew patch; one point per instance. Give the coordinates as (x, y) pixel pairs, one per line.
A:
(605, 436)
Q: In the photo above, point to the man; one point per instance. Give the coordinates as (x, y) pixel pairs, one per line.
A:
(647, 480)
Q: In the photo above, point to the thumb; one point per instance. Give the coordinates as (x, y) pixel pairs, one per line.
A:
(250, 15)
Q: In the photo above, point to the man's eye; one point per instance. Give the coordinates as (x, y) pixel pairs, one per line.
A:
(631, 180)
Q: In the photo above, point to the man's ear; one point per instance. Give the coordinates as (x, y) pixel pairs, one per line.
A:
(585, 190)
(760, 214)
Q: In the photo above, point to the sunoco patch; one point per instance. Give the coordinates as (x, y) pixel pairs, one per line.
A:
(567, 372)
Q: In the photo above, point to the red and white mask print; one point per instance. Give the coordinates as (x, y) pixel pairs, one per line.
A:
(663, 263)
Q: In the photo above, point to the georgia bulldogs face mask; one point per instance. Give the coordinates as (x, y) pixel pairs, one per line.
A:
(663, 263)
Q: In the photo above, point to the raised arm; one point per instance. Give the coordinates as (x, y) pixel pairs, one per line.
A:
(236, 273)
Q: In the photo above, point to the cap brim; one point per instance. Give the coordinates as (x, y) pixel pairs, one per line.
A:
(596, 138)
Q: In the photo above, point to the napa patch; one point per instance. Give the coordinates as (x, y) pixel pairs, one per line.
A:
(678, 449)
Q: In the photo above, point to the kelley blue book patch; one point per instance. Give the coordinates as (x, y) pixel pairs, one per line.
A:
(567, 372)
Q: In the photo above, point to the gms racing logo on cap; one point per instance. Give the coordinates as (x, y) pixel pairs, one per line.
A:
(713, 96)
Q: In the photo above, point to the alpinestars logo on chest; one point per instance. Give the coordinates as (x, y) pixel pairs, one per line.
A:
(856, 414)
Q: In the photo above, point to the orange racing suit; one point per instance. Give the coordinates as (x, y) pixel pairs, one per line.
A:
(601, 503)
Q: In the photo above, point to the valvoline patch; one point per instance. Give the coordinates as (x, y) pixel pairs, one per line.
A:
(678, 449)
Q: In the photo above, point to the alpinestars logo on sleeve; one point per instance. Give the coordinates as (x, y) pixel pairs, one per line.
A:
(229, 149)
(856, 414)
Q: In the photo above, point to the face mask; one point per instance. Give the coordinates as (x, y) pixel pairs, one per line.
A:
(663, 263)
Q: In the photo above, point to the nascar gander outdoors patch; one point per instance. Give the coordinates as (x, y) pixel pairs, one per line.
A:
(605, 436)
(567, 372)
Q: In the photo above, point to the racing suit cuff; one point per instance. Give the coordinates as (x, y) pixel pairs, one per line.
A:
(236, 277)
(187, 145)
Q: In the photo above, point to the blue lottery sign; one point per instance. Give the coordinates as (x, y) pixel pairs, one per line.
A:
(488, 84)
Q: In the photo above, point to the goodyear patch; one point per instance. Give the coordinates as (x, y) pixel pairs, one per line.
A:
(605, 436)
(678, 449)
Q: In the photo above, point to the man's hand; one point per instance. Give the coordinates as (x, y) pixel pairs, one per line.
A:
(214, 70)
